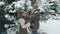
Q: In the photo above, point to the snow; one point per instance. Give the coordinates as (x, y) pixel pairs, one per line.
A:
(50, 27)
(2, 3)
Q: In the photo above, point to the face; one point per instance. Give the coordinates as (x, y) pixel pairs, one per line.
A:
(24, 14)
(35, 6)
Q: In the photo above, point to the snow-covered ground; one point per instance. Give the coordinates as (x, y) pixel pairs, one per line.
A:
(50, 27)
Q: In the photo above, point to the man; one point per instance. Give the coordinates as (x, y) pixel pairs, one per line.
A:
(35, 17)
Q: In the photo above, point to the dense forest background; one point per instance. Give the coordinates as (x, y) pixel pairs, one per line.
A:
(49, 8)
(49, 12)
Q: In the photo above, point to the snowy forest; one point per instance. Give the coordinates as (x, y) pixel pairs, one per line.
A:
(48, 7)
(49, 10)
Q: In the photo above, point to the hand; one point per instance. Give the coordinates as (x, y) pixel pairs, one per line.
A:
(29, 24)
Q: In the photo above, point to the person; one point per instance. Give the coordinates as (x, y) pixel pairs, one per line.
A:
(24, 24)
(35, 17)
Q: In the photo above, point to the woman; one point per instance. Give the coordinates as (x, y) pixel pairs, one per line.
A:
(24, 24)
